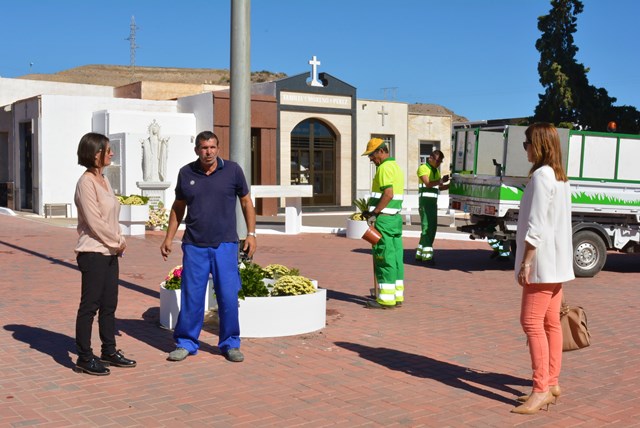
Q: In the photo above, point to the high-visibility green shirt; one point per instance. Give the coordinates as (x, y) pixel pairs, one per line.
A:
(388, 174)
(434, 175)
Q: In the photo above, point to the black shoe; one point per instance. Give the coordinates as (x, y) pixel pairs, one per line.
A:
(117, 360)
(92, 367)
(398, 304)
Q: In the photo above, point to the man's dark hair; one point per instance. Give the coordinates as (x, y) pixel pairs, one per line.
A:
(204, 136)
(439, 154)
(90, 145)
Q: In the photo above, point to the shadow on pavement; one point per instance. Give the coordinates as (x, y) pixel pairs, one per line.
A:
(56, 345)
(41, 255)
(361, 250)
(347, 297)
(142, 290)
(451, 260)
(148, 330)
(130, 285)
(59, 346)
(449, 374)
(458, 260)
(461, 260)
(622, 263)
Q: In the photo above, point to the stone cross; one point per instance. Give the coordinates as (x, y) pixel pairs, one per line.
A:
(383, 114)
(429, 123)
(314, 63)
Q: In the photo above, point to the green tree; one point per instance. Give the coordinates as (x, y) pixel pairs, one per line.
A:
(568, 96)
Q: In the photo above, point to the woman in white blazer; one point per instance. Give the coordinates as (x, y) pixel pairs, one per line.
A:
(544, 254)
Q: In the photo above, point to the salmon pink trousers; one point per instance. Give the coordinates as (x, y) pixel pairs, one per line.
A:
(540, 320)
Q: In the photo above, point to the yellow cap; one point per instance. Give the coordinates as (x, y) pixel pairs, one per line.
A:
(373, 144)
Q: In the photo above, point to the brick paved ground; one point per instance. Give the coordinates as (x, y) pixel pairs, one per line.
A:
(454, 355)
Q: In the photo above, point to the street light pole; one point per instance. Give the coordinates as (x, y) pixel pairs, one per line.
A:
(240, 97)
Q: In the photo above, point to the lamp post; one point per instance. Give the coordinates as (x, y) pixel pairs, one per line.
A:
(240, 96)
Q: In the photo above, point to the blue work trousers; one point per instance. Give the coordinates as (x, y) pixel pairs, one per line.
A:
(198, 263)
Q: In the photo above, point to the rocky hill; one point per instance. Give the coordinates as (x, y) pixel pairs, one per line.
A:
(119, 75)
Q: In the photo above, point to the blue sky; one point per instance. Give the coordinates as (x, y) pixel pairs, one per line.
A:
(475, 57)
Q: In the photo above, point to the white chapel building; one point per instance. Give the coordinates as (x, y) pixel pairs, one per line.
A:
(309, 129)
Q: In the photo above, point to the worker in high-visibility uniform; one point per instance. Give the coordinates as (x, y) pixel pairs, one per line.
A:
(385, 203)
(430, 182)
(501, 249)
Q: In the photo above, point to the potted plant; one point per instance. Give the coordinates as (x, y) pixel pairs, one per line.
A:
(356, 223)
(252, 278)
(276, 301)
(292, 285)
(274, 271)
(170, 295)
(134, 214)
(158, 217)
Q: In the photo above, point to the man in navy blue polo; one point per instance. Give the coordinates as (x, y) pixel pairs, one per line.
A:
(207, 188)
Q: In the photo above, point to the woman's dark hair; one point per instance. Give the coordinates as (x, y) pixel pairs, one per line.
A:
(90, 145)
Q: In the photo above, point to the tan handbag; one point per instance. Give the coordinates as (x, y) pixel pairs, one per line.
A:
(575, 333)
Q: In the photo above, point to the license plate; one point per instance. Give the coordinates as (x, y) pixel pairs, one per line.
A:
(472, 209)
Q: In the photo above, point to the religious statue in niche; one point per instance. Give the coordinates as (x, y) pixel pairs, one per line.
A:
(155, 151)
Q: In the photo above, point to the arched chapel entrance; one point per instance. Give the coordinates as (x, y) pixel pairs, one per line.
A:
(313, 160)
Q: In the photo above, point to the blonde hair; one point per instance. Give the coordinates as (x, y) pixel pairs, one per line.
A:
(545, 146)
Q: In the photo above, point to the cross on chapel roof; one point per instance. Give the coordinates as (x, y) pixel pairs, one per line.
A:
(314, 63)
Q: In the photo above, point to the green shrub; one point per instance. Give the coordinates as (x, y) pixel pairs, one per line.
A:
(251, 276)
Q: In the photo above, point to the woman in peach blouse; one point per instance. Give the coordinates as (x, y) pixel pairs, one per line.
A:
(100, 243)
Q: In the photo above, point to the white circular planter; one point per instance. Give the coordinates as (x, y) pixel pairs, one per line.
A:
(356, 228)
(278, 316)
(170, 304)
(133, 219)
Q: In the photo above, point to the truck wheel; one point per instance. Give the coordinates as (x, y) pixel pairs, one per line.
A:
(589, 253)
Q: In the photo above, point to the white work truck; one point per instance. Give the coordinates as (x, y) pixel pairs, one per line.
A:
(490, 170)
